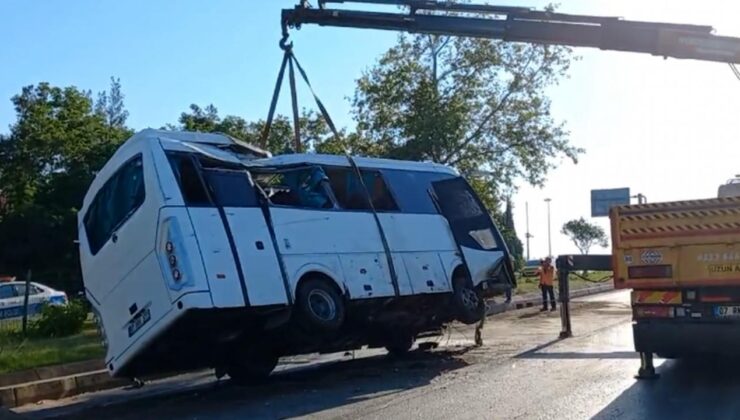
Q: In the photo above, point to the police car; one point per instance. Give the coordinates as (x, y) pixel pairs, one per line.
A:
(530, 268)
(12, 296)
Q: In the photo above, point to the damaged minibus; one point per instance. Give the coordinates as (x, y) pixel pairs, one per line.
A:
(199, 250)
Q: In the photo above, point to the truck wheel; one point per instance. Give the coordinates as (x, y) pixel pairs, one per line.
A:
(320, 307)
(469, 305)
(400, 345)
(252, 369)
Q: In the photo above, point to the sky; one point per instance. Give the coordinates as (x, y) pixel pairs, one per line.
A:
(665, 128)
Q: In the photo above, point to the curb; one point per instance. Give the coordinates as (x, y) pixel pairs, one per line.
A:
(49, 372)
(56, 388)
(531, 300)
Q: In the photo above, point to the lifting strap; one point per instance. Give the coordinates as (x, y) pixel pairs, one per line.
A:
(290, 60)
(294, 102)
(275, 95)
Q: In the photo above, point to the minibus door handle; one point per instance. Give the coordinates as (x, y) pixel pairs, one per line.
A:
(114, 237)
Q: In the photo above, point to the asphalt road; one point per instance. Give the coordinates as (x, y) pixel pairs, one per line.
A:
(521, 371)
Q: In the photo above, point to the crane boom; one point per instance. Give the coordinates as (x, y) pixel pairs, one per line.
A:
(519, 24)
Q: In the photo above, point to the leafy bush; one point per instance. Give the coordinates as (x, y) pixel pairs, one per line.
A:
(59, 320)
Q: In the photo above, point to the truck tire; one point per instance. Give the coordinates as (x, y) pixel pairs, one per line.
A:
(674, 355)
(319, 307)
(468, 304)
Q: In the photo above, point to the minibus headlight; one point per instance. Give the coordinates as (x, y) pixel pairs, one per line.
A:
(173, 255)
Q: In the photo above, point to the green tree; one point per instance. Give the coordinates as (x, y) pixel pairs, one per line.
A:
(584, 234)
(508, 230)
(59, 140)
(470, 103)
(110, 105)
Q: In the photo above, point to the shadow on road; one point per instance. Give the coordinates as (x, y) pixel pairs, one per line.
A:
(532, 315)
(289, 393)
(537, 353)
(696, 389)
(534, 350)
(580, 355)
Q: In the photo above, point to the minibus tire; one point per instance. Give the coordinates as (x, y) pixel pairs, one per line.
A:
(400, 345)
(253, 369)
(320, 307)
(463, 293)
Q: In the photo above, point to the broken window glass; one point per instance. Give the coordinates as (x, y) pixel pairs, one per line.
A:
(302, 187)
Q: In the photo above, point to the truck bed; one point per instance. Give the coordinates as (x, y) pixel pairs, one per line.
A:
(675, 244)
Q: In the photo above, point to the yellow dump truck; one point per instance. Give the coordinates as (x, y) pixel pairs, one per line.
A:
(682, 261)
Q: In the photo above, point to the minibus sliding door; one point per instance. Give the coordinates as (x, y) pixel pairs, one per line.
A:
(249, 236)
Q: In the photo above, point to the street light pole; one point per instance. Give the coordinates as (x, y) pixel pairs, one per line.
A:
(641, 199)
(549, 230)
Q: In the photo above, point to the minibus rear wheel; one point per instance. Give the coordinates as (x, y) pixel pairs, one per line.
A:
(468, 303)
(252, 368)
(400, 345)
(320, 306)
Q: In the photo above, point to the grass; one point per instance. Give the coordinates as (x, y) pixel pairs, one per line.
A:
(18, 353)
(527, 285)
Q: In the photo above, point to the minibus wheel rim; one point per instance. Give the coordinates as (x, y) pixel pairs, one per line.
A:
(322, 305)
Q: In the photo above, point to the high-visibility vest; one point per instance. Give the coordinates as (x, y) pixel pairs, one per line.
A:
(547, 275)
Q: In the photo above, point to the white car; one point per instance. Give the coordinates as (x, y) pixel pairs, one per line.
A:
(12, 296)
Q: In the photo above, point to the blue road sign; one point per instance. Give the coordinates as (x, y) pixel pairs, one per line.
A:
(603, 200)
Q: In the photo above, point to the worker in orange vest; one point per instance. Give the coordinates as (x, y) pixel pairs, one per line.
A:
(546, 272)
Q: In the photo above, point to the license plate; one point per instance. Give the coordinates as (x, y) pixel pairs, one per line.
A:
(727, 311)
(141, 318)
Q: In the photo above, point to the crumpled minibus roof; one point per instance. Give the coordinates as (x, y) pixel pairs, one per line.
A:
(299, 159)
(195, 141)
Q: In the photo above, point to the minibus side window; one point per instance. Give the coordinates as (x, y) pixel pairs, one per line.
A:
(463, 205)
(116, 202)
(193, 191)
(412, 189)
(351, 195)
(229, 184)
(231, 188)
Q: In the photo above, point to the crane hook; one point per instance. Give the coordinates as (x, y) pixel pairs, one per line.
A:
(284, 44)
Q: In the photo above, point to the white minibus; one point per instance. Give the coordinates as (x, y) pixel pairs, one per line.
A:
(199, 250)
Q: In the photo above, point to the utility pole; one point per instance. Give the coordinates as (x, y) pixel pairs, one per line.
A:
(527, 235)
(549, 229)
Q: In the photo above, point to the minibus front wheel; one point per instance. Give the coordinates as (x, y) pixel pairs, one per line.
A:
(468, 304)
(320, 306)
